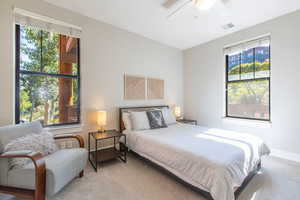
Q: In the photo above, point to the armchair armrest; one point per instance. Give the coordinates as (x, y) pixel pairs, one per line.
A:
(40, 169)
(79, 138)
(37, 158)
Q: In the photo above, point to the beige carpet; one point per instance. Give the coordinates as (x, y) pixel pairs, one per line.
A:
(278, 180)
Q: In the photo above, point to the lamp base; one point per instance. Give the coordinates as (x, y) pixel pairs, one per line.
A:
(101, 130)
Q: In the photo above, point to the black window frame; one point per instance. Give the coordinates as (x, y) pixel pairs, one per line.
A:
(247, 80)
(18, 72)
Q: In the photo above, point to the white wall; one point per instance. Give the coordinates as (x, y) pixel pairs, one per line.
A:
(107, 53)
(204, 93)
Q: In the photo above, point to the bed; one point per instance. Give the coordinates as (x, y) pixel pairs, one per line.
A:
(215, 162)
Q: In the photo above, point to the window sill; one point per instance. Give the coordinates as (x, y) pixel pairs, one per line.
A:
(65, 129)
(247, 122)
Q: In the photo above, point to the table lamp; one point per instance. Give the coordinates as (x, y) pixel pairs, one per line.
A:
(177, 112)
(101, 120)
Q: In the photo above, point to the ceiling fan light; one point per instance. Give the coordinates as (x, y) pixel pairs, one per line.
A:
(204, 4)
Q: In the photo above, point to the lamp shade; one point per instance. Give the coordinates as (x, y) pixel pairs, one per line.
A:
(101, 118)
(177, 111)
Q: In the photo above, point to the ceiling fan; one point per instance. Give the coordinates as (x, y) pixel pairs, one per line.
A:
(199, 4)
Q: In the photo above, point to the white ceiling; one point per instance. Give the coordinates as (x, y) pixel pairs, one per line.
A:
(187, 28)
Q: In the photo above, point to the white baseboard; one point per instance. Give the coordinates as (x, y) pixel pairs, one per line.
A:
(285, 155)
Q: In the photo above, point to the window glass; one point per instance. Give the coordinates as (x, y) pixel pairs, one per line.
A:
(47, 52)
(50, 52)
(247, 65)
(234, 67)
(249, 99)
(248, 80)
(262, 61)
(30, 49)
(48, 83)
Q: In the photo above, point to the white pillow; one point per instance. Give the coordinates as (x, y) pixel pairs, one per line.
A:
(139, 121)
(168, 116)
(127, 121)
(43, 143)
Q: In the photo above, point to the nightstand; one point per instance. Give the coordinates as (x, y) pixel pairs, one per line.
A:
(187, 121)
(101, 155)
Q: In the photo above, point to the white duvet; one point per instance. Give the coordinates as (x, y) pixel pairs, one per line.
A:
(213, 160)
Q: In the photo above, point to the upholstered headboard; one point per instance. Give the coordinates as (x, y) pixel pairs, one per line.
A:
(131, 109)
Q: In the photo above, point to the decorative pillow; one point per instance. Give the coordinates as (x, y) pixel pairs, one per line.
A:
(127, 121)
(43, 143)
(156, 119)
(139, 121)
(169, 116)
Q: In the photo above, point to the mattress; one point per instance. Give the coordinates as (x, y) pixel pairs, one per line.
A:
(214, 160)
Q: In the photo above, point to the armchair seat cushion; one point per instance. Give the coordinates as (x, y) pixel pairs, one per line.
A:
(61, 167)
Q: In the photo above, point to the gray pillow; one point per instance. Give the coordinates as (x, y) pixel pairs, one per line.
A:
(156, 119)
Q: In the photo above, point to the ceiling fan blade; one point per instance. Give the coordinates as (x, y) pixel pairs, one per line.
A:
(169, 3)
(179, 8)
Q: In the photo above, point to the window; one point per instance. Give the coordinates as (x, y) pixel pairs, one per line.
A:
(248, 80)
(47, 77)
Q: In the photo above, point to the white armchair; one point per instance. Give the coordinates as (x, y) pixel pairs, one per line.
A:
(44, 176)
